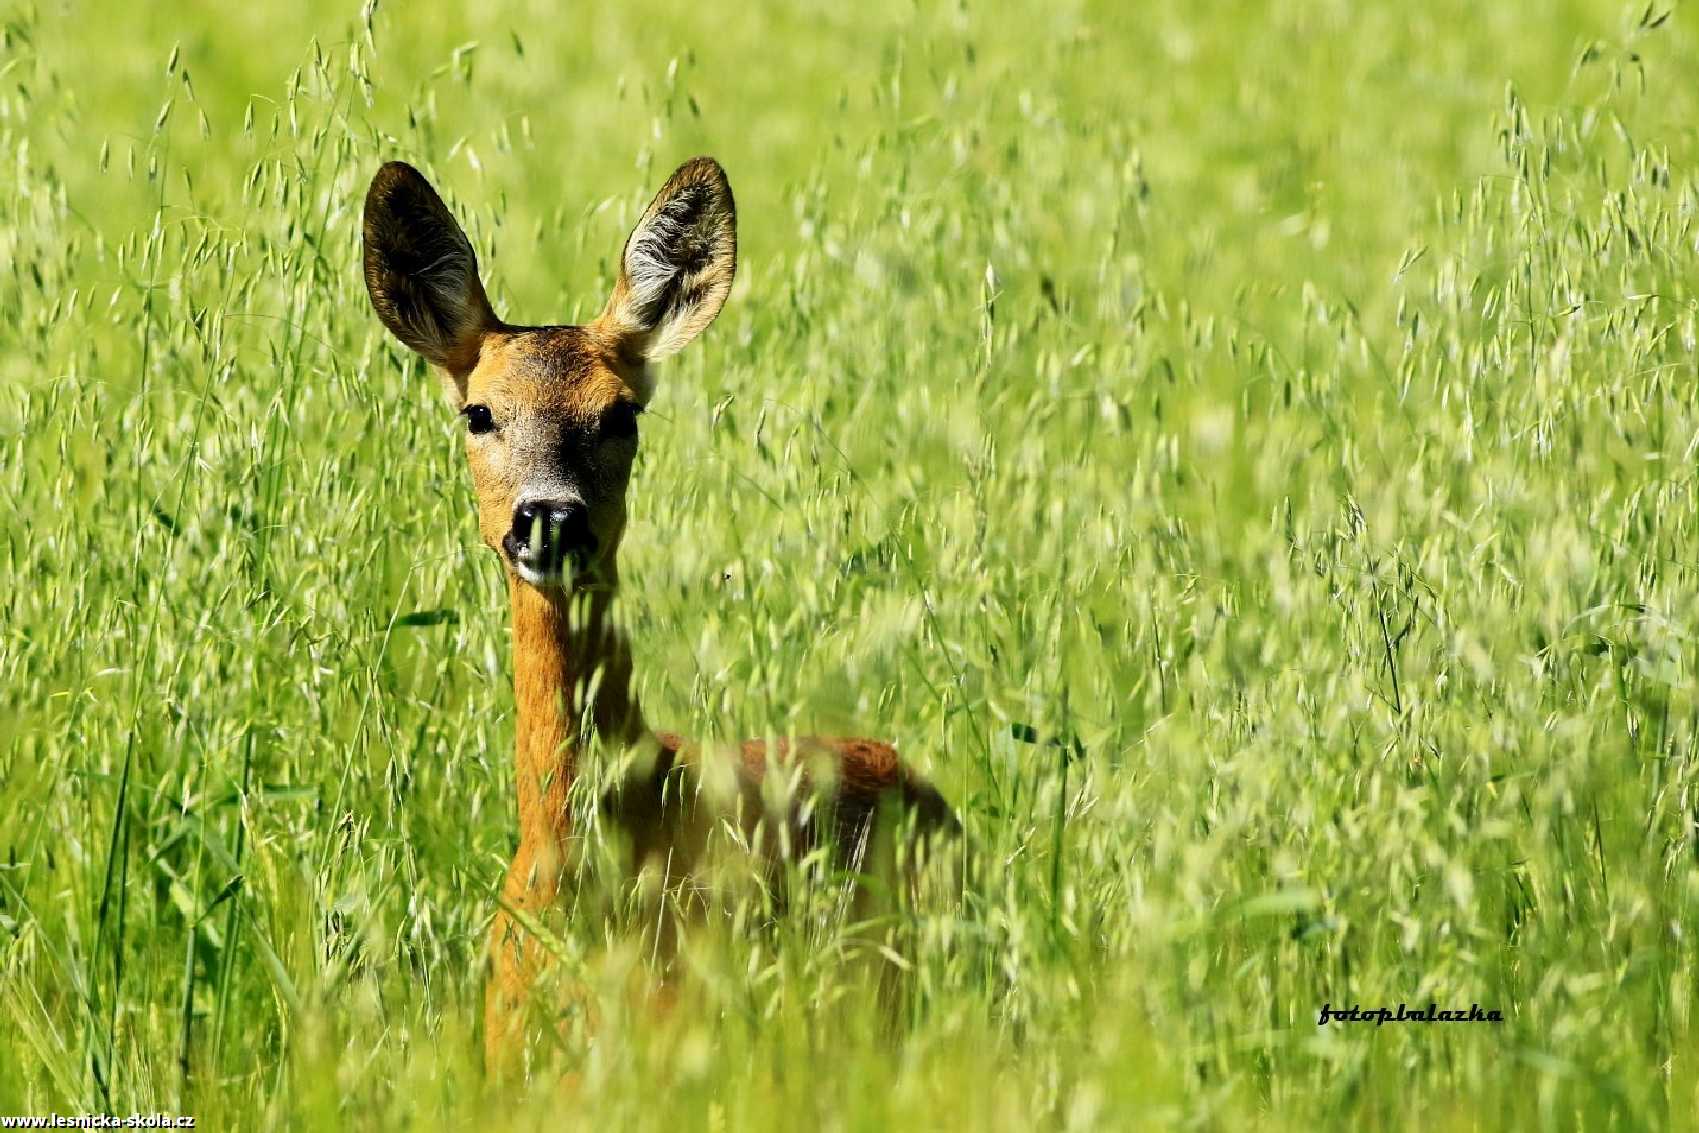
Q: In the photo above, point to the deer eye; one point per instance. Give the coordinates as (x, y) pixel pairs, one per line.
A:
(620, 420)
(478, 419)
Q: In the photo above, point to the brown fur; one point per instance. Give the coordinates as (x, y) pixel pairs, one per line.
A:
(550, 391)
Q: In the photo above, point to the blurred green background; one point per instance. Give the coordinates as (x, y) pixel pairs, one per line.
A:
(1290, 409)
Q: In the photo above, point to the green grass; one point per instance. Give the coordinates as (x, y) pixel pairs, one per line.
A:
(1295, 407)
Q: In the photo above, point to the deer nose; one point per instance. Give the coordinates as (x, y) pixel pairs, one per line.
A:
(545, 532)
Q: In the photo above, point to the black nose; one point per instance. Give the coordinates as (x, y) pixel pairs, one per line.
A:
(545, 532)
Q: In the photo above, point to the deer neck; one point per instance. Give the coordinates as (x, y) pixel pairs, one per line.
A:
(571, 680)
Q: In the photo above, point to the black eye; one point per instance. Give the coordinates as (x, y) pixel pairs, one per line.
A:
(620, 420)
(478, 419)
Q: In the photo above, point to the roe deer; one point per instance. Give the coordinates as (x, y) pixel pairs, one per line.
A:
(551, 431)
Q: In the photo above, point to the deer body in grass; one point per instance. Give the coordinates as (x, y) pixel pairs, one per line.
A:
(551, 418)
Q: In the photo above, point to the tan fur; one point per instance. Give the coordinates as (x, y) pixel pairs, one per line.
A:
(549, 390)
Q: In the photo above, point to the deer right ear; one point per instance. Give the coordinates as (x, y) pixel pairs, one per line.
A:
(421, 271)
(677, 266)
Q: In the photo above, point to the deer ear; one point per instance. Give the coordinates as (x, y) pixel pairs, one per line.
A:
(677, 265)
(421, 271)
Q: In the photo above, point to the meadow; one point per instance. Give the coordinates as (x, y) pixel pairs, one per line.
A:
(1244, 453)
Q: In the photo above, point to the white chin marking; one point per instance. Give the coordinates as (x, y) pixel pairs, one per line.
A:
(537, 577)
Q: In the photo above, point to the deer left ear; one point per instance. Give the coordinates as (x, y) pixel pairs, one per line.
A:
(677, 266)
(421, 271)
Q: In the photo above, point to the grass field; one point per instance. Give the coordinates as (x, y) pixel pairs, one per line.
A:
(1245, 453)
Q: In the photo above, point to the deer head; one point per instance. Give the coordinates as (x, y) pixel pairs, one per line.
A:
(551, 411)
